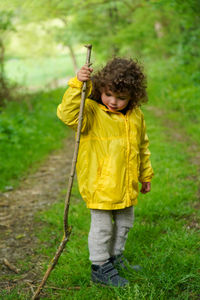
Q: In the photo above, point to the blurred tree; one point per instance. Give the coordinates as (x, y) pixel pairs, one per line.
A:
(6, 26)
(46, 11)
(115, 27)
(64, 36)
(99, 22)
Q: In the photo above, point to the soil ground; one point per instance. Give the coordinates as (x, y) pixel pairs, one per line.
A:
(18, 207)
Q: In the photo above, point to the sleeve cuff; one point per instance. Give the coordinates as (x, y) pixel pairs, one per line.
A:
(75, 83)
(146, 179)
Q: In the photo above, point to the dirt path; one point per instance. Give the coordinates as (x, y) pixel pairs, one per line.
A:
(17, 207)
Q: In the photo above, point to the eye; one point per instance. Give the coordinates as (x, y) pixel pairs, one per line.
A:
(108, 94)
(122, 98)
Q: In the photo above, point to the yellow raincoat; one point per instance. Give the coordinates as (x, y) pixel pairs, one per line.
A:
(113, 153)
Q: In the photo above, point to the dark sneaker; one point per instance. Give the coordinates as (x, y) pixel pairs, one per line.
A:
(122, 264)
(107, 274)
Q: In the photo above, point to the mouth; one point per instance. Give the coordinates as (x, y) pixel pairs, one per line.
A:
(112, 107)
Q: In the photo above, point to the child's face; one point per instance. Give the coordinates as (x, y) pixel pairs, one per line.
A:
(114, 101)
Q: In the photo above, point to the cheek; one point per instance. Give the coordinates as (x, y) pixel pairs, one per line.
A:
(123, 104)
(104, 100)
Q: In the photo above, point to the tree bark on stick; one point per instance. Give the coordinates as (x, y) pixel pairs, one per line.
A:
(67, 229)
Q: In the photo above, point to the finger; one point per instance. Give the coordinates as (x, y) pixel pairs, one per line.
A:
(85, 67)
(144, 190)
(148, 188)
(86, 72)
(86, 78)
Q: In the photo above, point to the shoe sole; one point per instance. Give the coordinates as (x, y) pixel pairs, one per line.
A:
(96, 280)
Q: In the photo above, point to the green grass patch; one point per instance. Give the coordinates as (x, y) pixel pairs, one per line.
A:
(38, 71)
(175, 87)
(162, 240)
(29, 130)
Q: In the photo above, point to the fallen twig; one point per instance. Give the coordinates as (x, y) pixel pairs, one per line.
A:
(10, 266)
(74, 288)
(31, 286)
(56, 288)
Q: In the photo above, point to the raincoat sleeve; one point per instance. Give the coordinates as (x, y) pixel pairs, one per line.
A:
(68, 110)
(146, 171)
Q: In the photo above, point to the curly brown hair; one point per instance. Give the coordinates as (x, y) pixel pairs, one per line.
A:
(121, 75)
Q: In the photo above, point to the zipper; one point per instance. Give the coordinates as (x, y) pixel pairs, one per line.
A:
(128, 154)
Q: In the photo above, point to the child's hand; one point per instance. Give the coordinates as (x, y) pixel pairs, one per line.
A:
(84, 73)
(146, 187)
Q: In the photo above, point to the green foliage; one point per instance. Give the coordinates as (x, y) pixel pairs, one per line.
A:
(6, 21)
(28, 132)
(163, 28)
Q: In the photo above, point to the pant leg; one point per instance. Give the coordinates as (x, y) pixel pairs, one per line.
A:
(100, 235)
(123, 221)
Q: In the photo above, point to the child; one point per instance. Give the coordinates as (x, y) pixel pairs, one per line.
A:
(113, 157)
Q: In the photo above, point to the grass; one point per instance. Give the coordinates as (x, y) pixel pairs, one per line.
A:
(29, 130)
(37, 72)
(163, 239)
(174, 87)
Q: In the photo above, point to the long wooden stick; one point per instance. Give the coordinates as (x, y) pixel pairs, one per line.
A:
(67, 229)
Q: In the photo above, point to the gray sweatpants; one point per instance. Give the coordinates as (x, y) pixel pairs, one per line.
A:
(108, 233)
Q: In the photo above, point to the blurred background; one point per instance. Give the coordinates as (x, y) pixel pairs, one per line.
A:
(41, 47)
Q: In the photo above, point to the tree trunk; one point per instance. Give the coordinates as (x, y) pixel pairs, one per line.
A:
(4, 93)
(2, 51)
(73, 57)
